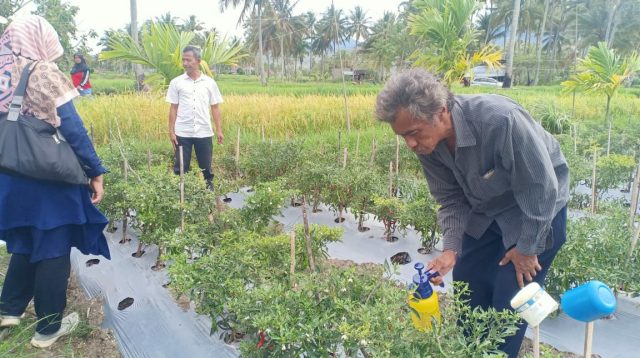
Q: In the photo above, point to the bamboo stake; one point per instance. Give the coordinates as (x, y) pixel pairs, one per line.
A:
(588, 339)
(125, 218)
(536, 341)
(307, 235)
(344, 159)
(593, 183)
(339, 143)
(181, 154)
(373, 152)
(634, 199)
(397, 153)
(391, 179)
(634, 242)
(262, 129)
(237, 158)
(292, 267)
(358, 145)
(148, 158)
(609, 139)
(575, 139)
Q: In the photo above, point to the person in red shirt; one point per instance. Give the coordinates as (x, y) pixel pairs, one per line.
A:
(80, 75)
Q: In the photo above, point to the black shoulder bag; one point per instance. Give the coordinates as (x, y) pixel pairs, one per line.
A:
(34, 148)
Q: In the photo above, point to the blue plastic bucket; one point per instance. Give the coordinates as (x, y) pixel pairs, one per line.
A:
(589, 301)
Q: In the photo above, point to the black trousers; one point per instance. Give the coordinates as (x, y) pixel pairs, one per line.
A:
(45, 282)
(492, 285)
(204, 153)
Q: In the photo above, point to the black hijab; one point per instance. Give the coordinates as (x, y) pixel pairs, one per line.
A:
(79, 67)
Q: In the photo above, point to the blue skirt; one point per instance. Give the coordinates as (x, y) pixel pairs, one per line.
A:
(45, 220)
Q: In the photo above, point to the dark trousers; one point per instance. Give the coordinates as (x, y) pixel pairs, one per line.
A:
(492, 285)
(204, 153)
(45, 281)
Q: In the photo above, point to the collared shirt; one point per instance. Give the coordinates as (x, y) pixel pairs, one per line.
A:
(194, 99)
(506, 168)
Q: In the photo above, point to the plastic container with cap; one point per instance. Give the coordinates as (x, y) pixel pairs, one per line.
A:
(533, 304)
(424, 301)
(589, 301)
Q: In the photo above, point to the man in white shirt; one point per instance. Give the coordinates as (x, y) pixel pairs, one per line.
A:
(194, 97)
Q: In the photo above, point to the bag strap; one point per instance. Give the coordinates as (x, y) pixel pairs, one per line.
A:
(15, 108)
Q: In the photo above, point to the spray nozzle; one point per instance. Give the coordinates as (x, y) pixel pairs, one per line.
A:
(426, 277)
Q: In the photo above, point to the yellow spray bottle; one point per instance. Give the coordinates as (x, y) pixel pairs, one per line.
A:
(424, 301)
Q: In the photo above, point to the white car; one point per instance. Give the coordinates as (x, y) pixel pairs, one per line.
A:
(486, 81)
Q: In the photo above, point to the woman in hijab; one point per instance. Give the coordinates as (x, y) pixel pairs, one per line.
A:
(80, 75)
(41, 220)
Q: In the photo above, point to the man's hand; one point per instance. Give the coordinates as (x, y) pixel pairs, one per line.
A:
(527, 267)
(220, 137)
(97, 188)
(443, 264)
(173, 139)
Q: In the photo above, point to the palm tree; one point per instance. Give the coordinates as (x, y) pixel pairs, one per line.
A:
(137, 69)
(247, 8)
(334, 26)
(447, 35)
(167, 18)
(382, 45)
(513, 37)
(358, 24)
(547, 4)
(161, 49)
(286, 25)
(192, 24)
(603, 71)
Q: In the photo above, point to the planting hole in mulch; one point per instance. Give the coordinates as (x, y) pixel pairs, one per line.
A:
(249, 190)
(124, 241)
(112, 229)
(401, 258)
(158, 267)
(135, 254)
(316, 211)
(363, 229)
(227, 200)
(166, 284)
(393, 239)
(124, 304)
(296, 204)
(423, 251)
(339, 220)
(92, 262)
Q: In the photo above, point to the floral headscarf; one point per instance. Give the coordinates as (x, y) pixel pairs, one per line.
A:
(27, 39)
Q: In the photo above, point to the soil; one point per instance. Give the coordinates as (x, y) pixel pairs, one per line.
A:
(423, 251)
(526, 351)
(339, 220)
(363, 229)
(88, 339)
(401, 258)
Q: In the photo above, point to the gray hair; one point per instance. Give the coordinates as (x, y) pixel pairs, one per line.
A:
(194, 50)
(418, 91)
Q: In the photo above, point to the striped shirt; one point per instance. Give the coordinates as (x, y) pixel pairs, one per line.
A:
(506, 168)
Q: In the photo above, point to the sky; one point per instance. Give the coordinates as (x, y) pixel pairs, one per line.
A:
(101, 15)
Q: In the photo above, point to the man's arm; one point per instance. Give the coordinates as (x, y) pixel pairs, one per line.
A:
(217, 122)
(173, 114)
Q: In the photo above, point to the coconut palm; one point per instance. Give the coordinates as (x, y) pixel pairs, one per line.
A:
(161, 49)
(247, 9)
(603, 71)
(513, 37)
(445, 29)
(359, 24)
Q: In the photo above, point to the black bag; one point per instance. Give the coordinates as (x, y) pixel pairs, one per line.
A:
(34, 148)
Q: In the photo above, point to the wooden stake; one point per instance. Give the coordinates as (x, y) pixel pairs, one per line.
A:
(344, 160)
(373, 152)
(148, 158)
(181, 156)
(125, 217)
(357, 145)
(262, 130)
(292, 267)
(339, 144)
(536, 341)
(634, 199)
(238, 149)
(588, 339)
(593, 183)
(307, 235)
(391, 179)
(397, 153)
(575, 139)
